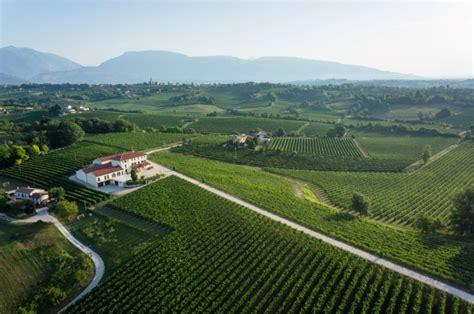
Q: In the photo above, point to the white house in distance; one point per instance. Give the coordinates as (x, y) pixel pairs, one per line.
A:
(114, 169)
(37, 196)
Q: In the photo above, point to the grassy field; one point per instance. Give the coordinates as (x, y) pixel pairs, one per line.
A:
(401, 147)
(222, 257)
(244, 125)
(444, 256)
(115, 235)
(55, 168)
(317, 146)
(138, 140)
(30, 256)
(402, 197)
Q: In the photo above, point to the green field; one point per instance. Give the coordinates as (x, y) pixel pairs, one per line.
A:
(54, 169)
(137, 140)
(244, 125)
(402, 197)
(317, 146)
(29, 261)
(401, 147)
(443, 256)
(222, 257)
(116, 236)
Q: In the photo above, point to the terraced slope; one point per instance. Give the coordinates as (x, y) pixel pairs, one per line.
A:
(222, 257)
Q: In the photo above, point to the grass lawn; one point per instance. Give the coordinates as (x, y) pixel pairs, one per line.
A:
(28, 260)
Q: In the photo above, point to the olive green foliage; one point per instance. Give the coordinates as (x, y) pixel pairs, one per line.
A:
(66, 210)
(361, 203)
(133, 175)
(57, 193)
(463, 212)
(427, 154)
(428, 225)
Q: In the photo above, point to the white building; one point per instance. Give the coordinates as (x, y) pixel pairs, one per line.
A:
(37, 196)
(113, 169)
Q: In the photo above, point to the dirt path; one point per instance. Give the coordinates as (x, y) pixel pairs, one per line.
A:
(341, 245)
(43, 215)
(360, 148)
(417, 165)
(304, 126)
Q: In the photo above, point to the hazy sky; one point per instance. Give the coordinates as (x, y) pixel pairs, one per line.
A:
(425, 38)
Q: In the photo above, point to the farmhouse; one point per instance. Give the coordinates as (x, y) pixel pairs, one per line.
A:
(241, 139)
(37, 196)
(114, 169)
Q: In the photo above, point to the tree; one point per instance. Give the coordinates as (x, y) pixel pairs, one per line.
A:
(443, 113)
(428, 225)
(420, 116)
(20, 155)
(66, 209)
(340, 130)
(361, 203)
(280, 132)
(55, 110)
(427, 154)
(57, 193)
(66, 134)
(122, 125)
(55, 295)
(462, 217)
(33, 150)
(134, 175)
(5, 155)
(331, 133)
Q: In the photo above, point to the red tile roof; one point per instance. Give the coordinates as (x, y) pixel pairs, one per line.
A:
(102, 169)
(140, 165)
(29, 191)
(122, 156)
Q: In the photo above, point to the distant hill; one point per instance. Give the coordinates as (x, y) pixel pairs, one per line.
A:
(24, 63)
(163, 66)
(6, 79)
(455, 83)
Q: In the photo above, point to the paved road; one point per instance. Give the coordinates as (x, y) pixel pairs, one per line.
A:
(43, 215)
(368, 256)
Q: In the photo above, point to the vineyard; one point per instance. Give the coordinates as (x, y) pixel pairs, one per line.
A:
(137, 140)
(317, 146)
(201, 147)
(401, 197)
(244, 125)
(222, 257)
(54, 169)
(445, 257)
(401, 147)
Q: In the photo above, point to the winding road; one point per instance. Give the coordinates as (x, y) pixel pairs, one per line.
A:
(348, 248)
(43, 215)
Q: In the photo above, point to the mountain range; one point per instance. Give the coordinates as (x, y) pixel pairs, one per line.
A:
(19, 65)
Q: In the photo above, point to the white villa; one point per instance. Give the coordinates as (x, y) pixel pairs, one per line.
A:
(37, 196)
(113, 169)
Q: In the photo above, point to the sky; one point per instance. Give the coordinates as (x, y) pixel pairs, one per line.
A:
(431, 39)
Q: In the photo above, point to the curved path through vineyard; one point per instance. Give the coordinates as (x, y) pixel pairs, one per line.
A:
(43, 215)
(351, 249)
